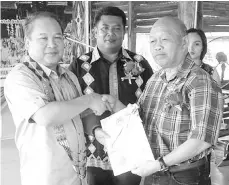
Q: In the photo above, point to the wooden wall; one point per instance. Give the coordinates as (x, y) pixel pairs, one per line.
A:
(211, 16)
(144, 13)
(215, 14)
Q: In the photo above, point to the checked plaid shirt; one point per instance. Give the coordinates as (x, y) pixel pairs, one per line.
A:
(188, 106)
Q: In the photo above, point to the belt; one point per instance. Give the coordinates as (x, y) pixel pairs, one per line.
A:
(189, 165)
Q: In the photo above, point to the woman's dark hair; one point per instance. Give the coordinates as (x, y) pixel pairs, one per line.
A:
(203, 38)
(110, 10)
(28, 24)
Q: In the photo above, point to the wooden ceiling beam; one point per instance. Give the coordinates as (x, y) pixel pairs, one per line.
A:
(215, 5)
(157, 14)
(149, 22)
(154, 3)
(142, 29)
(123, 8)
(215, 12)
(109, 3)
(216, 28)
(216, 9)
(215, 22)
(153, 9)
(217, 2)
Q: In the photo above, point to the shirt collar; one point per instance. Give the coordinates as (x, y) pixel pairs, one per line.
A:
(183, 70)
(48, 72)
(96, 54)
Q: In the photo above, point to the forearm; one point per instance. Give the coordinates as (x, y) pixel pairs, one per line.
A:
(187, 150)
(60, 111)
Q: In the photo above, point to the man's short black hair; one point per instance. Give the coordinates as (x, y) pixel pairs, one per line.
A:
(110, 10)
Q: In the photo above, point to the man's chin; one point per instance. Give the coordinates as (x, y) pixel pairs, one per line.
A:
(113, 48)
(161, 63)
(111, 45)
(52, 59)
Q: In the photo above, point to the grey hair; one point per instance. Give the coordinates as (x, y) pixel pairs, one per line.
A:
(28, 24)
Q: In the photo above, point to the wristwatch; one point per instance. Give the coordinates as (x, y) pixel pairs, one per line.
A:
(164, 167)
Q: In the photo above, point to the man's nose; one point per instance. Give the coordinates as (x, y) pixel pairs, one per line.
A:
(158, 46)
(110, 31)
(51, 43)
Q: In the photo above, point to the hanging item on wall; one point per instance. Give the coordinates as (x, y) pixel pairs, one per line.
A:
(14, 27)
(12, 48)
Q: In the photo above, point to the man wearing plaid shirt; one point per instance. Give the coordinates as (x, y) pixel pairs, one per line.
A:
(181, 108)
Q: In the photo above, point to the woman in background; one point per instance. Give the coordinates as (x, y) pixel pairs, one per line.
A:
(197, 49)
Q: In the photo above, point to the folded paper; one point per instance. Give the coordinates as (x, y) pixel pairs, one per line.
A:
(127, 146)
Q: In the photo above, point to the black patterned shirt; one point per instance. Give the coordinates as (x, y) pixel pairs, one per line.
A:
(93, 72)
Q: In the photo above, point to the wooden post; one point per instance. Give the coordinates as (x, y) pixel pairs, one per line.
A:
(80, 26)
(199, 15)
(190, 12)
(131, 33)
(86, 23)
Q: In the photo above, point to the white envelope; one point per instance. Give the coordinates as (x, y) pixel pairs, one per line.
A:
(128, 145)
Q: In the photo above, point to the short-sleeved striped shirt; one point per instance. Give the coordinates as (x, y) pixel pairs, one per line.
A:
(188, 106)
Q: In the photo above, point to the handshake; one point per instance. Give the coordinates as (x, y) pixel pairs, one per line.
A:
(101, 103)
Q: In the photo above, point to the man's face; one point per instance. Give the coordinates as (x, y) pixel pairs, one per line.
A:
(109, 33)
(165, 46)
(45, 44)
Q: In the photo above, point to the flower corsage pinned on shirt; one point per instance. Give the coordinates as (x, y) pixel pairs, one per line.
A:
(174, 101)
(131, 69)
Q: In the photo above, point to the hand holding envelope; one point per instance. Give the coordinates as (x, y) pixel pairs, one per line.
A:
(101, 136)
(146, 168)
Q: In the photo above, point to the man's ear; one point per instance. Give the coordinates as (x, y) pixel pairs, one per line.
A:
(185, 42)
(26, 43)
(95, 32)
(125, 30)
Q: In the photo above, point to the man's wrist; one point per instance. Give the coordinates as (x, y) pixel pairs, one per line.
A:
(164, 166)
(89, 100)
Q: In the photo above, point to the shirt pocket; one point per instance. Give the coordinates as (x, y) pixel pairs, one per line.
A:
(176, 120)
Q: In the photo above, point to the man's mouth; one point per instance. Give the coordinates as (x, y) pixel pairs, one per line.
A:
(110, 40)
(51, 53)
(159, 55)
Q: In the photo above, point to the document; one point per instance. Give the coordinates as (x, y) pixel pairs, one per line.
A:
(128, 145)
